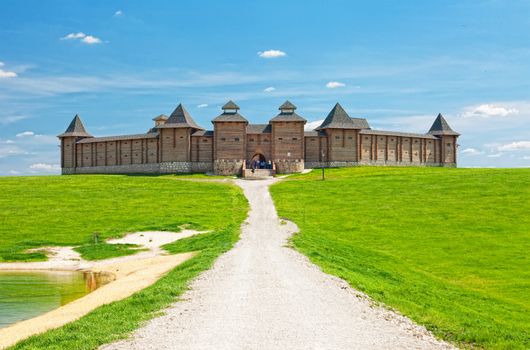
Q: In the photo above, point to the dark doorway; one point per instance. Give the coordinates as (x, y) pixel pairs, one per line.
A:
(259, 161)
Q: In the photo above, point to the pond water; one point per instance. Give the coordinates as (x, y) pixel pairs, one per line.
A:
(26, 294)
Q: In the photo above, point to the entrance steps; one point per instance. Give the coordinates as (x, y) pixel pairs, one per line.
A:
(257, 174)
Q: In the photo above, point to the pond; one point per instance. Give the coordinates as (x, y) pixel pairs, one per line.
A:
(26, 294)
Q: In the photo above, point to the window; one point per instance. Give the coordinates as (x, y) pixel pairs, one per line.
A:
(350, 138)
(366, 138)
(266, 140)
(416, 141)
(204, 140)
(337, 137)
(391, 139)
(279, 138)
(223, 139)
(236, 139)
(381, 139)
(295, 138)
(448, 145)
(251, 140)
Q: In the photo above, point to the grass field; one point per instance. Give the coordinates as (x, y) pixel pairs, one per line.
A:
(128, 204)
(68, 210)
(447, 247)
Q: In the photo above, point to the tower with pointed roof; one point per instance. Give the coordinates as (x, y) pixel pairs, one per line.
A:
(441, 129)
(73, 133)
(342, 133)
(175, 136)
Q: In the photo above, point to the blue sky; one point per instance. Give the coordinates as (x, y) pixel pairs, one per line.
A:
(398, 63)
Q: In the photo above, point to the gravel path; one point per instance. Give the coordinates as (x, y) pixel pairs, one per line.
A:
(263, 295)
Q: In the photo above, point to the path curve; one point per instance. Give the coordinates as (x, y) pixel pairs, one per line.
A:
(263, 295)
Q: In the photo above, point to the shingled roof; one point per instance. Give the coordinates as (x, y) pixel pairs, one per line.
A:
(441, 127)
(230, 105)
(119, 138)
(287, 105)
(259, 129)
(180, 118)
(76, 129)
(338, 119)
(230, 114)
(287, 114)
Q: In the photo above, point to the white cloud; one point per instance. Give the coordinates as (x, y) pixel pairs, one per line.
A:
(334, 85)
(309, 126)
(45, 167)
(271, 54)
(489, 111)
(90, 40)
(26, 134)
(526, 157)
(9, 141)
(269, 89)
(472, 152)
(4, 74)
(87, 39)
(515, 146)
(72, 36)
(14, 172)
(10, 119)
(202, 105)
(495, 155)
(118, 13)
(10, 150)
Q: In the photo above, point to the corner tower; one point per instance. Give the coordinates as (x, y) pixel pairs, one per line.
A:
(448, 141)
(73, 133)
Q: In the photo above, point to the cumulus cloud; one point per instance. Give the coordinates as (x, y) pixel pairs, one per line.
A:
(515, 146)
(271, 54)
(26, 134)
(118, 13)
(10, 150)
(489, 111)
(45, 167)
(472, 152)
(87, 39)
(6, 74)
(334, 85)
(312, 125)
(269, 89)
(202, 105)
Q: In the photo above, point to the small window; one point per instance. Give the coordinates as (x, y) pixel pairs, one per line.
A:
(251, 140)
(266, 140)
(204, 140)
(236, 139)
(391, 139)
(136, 142)
(337, 137)
(312, 140)
(416, 141)
(182, 137)
(366, 138)
(350, 138)
(295, 138)
(448, 145)
(430, 142)
(223, 139)
(279, 138)
(381, 139)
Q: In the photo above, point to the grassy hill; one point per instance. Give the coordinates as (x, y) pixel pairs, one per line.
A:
(446, 247)
(68, 210)
(37, 211)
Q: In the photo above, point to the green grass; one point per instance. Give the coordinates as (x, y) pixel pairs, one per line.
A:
(125, 204)
(68, 210)
(104, 250)
(447, 247)
(115, 321)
